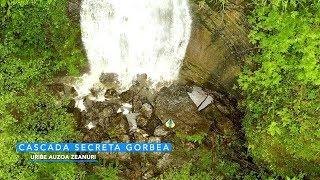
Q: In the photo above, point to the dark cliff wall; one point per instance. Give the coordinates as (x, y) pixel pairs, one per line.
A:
(218, 44)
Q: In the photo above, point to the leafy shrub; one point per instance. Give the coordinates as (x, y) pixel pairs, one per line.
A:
(37, 41)
(281, 85)
(33, 117)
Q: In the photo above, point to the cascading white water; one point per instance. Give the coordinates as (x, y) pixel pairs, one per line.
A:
(130, 37)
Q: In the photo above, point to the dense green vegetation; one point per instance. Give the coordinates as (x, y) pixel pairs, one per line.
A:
(37, 41)
(282, 87)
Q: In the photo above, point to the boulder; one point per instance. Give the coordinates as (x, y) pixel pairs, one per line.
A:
(174, 103)
(161, 131)
(146, 110)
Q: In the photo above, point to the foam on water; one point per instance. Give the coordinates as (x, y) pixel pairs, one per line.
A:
(130, 37)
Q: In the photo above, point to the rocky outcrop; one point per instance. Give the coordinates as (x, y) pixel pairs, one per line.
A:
(174, 103)
(218, 45)
(142, 115)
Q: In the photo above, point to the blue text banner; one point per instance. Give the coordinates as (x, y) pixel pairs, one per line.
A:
(93, 147)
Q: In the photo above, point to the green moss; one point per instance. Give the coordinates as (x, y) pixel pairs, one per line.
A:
(189, 163)
(105, 173)
(196, 138)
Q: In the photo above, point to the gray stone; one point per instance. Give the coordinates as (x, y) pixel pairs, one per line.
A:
(142, 121)
(146, 110)
(140, 135)
(161, 131)
(132, 120)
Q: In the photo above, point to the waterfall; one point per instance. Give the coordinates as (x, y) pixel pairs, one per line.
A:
(130, 37)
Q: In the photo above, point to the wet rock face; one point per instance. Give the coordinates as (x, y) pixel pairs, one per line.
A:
(174, 103)
(218, 45)
(128, 113)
